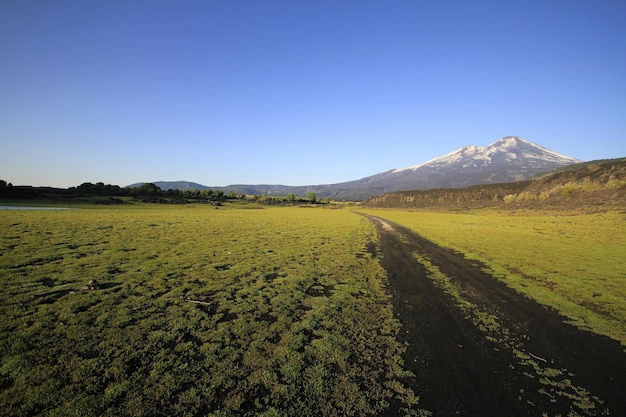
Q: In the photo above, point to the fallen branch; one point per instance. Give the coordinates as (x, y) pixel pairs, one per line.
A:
(538, 357)
(204, 303)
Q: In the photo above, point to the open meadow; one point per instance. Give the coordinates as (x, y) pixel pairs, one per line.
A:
(258, 310)
(197, 311)
(573, 262)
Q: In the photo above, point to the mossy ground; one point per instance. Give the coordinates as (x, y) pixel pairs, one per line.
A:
(200, 311)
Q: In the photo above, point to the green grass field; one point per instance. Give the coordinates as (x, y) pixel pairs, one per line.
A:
(254, 311)
(200, 311)
(576, 263)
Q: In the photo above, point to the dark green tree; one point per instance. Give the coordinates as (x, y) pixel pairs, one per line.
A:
(148, 189)
(6, 189)
(207, 193)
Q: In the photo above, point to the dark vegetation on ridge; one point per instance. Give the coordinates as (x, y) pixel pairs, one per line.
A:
(595, 185)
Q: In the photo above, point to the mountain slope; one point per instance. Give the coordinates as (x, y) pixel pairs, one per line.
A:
(591, 186)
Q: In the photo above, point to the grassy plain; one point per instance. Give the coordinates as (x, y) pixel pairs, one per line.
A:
(575, 263)
(279, 311)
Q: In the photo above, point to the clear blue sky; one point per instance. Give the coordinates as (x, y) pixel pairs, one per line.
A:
(298, 92)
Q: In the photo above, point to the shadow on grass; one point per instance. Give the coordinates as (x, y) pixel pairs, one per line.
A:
(50, 297)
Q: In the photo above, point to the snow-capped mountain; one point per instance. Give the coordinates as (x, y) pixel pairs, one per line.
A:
(510, 158)
(510, 150)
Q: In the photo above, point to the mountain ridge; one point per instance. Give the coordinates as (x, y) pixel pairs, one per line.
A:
(509, 159)
(590, 186)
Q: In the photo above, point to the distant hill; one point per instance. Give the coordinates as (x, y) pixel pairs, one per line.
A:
(509, 159)
(590, 186)
(173, 185)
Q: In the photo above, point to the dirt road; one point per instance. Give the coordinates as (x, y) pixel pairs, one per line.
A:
(478, 348)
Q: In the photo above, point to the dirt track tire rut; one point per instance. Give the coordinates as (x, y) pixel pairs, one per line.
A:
(531, 363)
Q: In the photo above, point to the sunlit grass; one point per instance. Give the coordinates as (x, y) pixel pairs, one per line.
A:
(575, 263)
(200, 311)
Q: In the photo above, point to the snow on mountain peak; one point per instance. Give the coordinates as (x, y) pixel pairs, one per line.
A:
(509, 142)
(514, 145)
(508, 147)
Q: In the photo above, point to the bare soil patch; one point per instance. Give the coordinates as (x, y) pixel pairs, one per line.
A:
(518, 358)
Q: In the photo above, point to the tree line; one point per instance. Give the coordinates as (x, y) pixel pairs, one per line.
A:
(150, 192)
(289, 199)
(147, 192)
